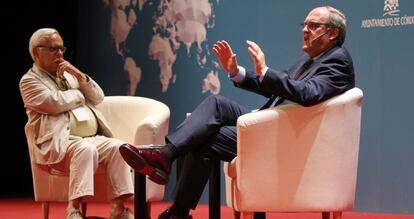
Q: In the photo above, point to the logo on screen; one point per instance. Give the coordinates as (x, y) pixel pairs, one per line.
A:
(391, 8)
(390, 18)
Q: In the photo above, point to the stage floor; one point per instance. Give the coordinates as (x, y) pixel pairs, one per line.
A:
(28, 209)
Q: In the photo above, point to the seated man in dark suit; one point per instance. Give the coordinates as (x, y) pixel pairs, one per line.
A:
(323, 71)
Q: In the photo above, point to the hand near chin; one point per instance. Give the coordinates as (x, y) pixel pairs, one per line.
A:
(69, 68)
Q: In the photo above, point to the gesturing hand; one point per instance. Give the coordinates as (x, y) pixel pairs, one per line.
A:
(257, 55)
(226, 57)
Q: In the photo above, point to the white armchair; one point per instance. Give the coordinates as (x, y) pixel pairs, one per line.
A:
(297, 159)
(136, 120)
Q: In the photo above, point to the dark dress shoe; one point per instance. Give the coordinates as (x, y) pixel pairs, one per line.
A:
(167, 215)
(147, 160)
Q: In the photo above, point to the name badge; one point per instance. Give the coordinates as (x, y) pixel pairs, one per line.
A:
(81, 114)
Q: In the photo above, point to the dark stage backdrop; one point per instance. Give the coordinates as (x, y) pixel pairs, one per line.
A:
(20, 20)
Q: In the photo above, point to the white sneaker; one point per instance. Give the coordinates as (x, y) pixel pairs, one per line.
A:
(75, 214)
(126, 214)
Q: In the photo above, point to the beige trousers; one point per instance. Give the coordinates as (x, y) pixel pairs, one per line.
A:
(82, 159)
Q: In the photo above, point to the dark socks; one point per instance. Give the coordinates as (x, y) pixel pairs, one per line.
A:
(178, 210)
(169, 151)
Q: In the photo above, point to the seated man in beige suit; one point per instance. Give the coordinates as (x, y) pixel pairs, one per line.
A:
(65, 128)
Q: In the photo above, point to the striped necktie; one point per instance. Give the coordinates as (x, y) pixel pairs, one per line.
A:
(302, 69)
(61, 83)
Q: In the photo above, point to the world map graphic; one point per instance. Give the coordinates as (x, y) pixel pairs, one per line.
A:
(176, 23)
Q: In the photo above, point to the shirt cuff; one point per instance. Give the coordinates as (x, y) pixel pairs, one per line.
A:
(239, 77)
(262, 74)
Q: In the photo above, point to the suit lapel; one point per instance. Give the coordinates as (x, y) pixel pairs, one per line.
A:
(307, 71)
(70, 80)
(43, 76)
(303, 69)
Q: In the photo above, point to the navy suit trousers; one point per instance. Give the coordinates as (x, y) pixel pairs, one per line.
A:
(209, 133)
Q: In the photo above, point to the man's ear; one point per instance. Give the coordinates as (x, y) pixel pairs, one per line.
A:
(35, 53)
(333, 33)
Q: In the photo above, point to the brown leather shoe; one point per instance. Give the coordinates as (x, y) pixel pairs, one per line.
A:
(147, 160)
(167, 215)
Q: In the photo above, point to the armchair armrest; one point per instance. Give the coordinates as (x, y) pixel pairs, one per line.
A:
(136, 120)
(154, 128)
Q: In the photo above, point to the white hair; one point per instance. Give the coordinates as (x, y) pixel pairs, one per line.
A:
(38, 37)
(337, 19)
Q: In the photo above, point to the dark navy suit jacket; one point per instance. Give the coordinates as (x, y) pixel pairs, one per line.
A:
(329, 75)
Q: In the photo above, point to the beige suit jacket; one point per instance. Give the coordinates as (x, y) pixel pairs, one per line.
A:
(47, 108)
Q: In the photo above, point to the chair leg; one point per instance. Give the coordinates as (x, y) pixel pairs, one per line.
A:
(259, 215)
(214, 191)
(140, 200)
(326, 215)
(45, 209)
(148, 210)
(247, 215)
(236, 214)
(83, 209)
(337, 215)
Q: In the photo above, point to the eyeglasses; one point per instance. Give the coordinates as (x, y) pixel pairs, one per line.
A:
(312, 26)
(54, 48)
